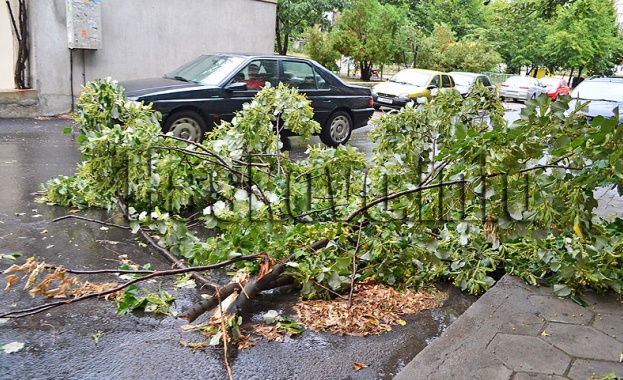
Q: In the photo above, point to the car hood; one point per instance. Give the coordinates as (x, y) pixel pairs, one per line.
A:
(599, 108)
(151, 86)
(392, 88)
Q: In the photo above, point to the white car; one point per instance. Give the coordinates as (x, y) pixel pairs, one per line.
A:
(521, 88)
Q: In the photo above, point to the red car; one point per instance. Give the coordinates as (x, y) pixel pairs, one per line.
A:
(555, 87)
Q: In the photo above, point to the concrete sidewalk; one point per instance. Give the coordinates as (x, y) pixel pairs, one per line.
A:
(516, 331)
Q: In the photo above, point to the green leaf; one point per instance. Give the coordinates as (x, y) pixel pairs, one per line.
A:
(562, 290)
(270, 316)
(577, 299)
(442, 254)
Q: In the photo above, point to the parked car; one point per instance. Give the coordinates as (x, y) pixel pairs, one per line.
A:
(464, 81)
(201, 93)
(555, 87)
(408, 85)
(521, 88)
(605, 95)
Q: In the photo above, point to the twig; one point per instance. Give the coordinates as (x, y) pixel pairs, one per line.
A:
(164, 251)
(399, 194)
(329, 290)
(91, 220)
(354, 270)
(225, 335)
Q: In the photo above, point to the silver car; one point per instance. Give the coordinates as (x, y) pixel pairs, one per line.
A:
(605, 95)
(521, 88)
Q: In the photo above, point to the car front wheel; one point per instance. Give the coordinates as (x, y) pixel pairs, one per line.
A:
(337, 129)
(187, 125)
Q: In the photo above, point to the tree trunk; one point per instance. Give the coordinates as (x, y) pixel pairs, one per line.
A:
(282, 40)
(366, 70)
(415, 57)
(21, 33)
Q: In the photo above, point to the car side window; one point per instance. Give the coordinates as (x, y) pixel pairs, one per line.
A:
(257, 73)
(434, 81)
(299, 74)
(269, 71)
(446, 81)
(485, 81)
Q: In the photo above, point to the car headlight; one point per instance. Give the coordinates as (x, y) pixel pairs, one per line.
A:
(404, 96)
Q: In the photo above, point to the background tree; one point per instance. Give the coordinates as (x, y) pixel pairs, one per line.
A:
(441, 51)
(369, 33)
(520, 36)
(319, 48)
(464, 16)
(411, 36)
(585, 35)
(296, 16)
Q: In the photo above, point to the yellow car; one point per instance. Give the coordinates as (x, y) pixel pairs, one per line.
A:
(408, 85)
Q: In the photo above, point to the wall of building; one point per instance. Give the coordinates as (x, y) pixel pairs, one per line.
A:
(140, 38)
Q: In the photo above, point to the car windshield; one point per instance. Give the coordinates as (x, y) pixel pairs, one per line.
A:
(414, 78)
(462, 79)
(596, 90)
(207, 69)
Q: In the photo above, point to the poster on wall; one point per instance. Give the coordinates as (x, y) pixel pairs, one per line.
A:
(84, 24)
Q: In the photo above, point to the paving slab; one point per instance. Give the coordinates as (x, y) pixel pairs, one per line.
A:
(516, 331)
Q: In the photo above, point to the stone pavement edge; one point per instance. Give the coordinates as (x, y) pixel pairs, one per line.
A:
(516, 331)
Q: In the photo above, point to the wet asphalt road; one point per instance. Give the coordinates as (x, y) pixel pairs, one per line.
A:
(60, 344)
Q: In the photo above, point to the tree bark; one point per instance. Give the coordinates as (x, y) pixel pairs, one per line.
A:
(254, 286)
(21, 33)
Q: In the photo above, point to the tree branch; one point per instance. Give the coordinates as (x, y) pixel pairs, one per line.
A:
(42, 308)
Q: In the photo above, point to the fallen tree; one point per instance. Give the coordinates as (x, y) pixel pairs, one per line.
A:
(450, 195)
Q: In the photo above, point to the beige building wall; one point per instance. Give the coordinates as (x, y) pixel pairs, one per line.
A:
(7, 56)
(140, 38)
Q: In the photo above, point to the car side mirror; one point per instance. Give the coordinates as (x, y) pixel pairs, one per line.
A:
(236, 86)
(431, 86)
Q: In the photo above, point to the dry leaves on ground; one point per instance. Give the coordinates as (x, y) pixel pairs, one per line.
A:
(375, 308)
(56, 283)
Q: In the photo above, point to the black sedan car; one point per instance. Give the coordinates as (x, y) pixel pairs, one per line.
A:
(198, 95)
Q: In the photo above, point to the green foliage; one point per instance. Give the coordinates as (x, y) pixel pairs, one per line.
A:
(465, 16)
(158, 302)
(296, 16)
(454, 193)
(585, 35)
(554, 239)
(369, 33)
(318, 47)
(283, 324)
(441, 51)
